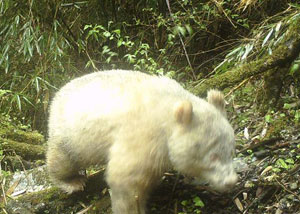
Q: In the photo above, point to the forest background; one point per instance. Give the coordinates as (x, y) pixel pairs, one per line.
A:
(46, 43)
(247, 48)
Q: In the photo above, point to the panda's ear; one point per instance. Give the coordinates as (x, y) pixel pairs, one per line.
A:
(183, 112)
(216, 98)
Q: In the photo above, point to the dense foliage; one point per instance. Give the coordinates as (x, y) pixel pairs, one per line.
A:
(45, 43)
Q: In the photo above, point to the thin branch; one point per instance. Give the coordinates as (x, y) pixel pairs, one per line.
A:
(286, 189)
(261, 143)
(181, 41)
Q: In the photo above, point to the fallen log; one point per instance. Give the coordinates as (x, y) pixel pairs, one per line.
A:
(24, 150)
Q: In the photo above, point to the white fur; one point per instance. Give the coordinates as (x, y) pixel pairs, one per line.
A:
(127, 120)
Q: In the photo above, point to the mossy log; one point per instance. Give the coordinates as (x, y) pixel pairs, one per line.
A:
(29, 145)
(32, 137)
(282, 57)
(10, 131)
(24, 150)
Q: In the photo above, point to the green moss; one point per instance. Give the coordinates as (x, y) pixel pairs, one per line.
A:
(30, 145)
(15, 132)
(26, 151)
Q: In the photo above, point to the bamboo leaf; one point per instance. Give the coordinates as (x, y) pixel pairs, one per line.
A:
(234, 51)
(37, 85)
(248, 48)
(270, 51)
(18, 102)
(3, 92)
(117, 31)
(106, 34)
(46, 100)
(30, 51)
(87, 26)
(179, 29)
(189, 29)
(27, 100)
(6, 64)
(17, 19)
(267, 37)
(277, 28)
(4, 29)
(38, 50)
(47, 83)
(4, 53)
(120, 42)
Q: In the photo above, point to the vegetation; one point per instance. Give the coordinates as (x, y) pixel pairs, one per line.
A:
(44, 44)
(247, 48)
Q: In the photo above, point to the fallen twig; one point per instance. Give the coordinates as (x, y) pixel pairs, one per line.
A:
(286, 189)
(256, 200)
(260, 143)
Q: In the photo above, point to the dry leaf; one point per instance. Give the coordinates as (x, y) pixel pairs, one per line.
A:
(239, 204)
(259, 191)
(267, 169)
(13, 187)
(246, 133)
(245, 196)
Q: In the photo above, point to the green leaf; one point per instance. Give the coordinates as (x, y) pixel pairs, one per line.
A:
(17, 19)
(274, 169)
(87, 26)
(295, 67)
(130, 58)
(290, 161)
(280, 162)
(297, 115)
(184, 203)
(246, 25)
(234, 51)
(179, 29)
(198, 202)
(268, 118)
(37, 48)
(287, 106)
(7, 46)
(248, 48)
(120, 42)
(19, 102)
(6, 65)
(2, 92)
(277, 28)
(107, 34)
(189, 29)
(117, 31)
(88, 64)
(105, 49)
(27, 100)
(37, 85)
